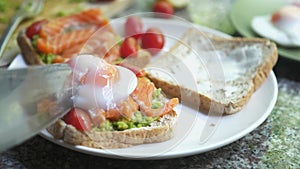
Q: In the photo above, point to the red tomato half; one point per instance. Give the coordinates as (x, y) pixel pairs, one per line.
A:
(153, 40)
(79, 119)
(34, 28)
(133, 27)
(129, 47)
(165, 9)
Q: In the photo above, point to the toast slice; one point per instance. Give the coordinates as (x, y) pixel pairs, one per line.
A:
(98, 119)
(211, 73)
(157, 131)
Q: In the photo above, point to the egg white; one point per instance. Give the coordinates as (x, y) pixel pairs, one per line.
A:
(89, 96)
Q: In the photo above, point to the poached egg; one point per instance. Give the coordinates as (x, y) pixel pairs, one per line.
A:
(99, 84)
(283, 26)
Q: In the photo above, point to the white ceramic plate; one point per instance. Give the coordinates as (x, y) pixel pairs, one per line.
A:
(229, 129)
(191, 124)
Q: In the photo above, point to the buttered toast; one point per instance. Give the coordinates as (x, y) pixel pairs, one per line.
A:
(213, 73)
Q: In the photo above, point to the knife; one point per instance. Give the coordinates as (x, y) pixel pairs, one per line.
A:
(31, 99)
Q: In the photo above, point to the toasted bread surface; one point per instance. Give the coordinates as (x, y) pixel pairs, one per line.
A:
(256, 57)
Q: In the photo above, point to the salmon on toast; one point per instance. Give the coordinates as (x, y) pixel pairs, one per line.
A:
(145, 115)
(57, 40)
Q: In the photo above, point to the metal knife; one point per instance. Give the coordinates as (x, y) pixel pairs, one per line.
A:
(31, 99)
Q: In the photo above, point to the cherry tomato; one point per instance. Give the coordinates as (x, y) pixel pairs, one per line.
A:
(79, 119)
(153, 40)
(129, 47)
(133, 27)
(34, 28)
(163, 7)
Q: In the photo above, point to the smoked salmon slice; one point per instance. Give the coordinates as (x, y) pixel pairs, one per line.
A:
(143, 93)
(66, 36)
(73, 50)
(143, 96)
(141, 99)
(76, 21)
(61, 42)
(101, 44)
(125, 109)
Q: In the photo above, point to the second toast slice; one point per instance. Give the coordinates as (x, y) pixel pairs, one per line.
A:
(212, 73)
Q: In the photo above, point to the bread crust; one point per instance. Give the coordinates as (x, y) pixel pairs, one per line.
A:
(158, 131)
(262, 72)
(29, 54)
(209, 105)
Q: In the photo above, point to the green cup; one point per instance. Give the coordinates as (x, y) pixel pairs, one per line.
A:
(212, 13)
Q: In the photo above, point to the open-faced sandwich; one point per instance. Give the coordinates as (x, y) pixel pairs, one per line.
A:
(56, 41)
(105, 113)
(49, 11)
(108, 112)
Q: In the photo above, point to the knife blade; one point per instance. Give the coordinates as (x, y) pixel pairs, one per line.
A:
(31, 99)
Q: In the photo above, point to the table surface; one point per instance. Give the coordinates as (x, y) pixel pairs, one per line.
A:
(274, 144)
